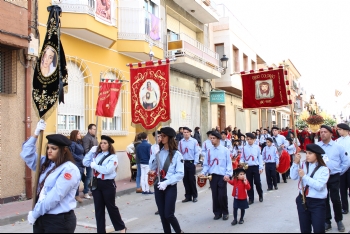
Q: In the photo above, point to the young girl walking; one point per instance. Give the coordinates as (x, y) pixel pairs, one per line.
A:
(239, 192)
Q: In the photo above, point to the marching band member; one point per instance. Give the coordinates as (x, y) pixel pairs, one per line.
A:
(58, 182)
(313, 175)
(271, 159)
(155, 148)
(337, 161)
(239, 192)
(206, 144)
(189, 149)
(251, 156)
(218, 163)
(258, 136)
(103, 160)
(280, 142)
(169, 163)
(344, 141)
(291, 151)
(256, 142)
(226, 142)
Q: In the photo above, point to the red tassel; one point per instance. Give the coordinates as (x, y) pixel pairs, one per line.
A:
(167, 60)
(285, 72)
(261, 69)
(243, 72)
(139, 64)
(130, 65)
(280, 66)
(149, 63)
(287, 82)
(160, 62)
(270, 68)
(251, 71)
(288, 92)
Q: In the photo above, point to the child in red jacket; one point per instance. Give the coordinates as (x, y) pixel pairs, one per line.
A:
(239, 192)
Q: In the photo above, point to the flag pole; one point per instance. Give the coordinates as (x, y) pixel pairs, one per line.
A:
(97, 99)
(37, 173)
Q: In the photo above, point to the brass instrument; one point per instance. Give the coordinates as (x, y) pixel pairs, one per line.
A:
(243, 165)
(202, 180)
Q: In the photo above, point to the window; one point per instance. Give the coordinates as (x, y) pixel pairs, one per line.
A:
(118, 124)
(235, 59)
(8, 70)
(71, 113)
(219, 48)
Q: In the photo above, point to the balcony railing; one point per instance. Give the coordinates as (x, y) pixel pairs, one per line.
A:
(78, 6)
(188, 47)
(136, 24)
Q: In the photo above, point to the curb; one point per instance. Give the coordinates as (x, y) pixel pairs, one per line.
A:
(23, 216)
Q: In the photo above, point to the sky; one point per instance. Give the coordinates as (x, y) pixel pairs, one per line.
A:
(314, 35)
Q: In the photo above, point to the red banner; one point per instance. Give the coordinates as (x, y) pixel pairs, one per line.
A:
(108, 99)
(264, 89)
(150, 95)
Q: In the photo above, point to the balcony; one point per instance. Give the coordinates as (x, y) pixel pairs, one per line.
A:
(137, 30)
(194, 58)
(203, 10)
(79, 20)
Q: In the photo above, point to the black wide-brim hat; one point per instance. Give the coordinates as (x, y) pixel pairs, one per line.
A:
(327, 127)
(216, 134)
(107, 138)
(250, 135)
(344, 126)
(186, 128)
(315, 149)
(154, 133)
(58, 139)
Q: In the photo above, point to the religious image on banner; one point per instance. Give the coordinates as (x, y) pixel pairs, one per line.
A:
(108, 98)
(104, 11)
(150, 95)
(154, 28)
(50, 74)
(264, 89)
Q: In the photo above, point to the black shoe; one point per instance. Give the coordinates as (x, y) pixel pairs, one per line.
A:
(234, 222)
(327, 226)
(225, 217)
(241, 221)
(195, 199)
(251, 202)
(157, 213)
(186, 200)
(276, 188)
(217, 217)
(269, 189)
(261, 199)
(345, 211)
(285, 181)
(341, 227)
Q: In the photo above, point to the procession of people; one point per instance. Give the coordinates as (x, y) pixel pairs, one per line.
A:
(323, 177)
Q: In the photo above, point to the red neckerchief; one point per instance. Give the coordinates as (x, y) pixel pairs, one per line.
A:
(217, 161)
(250, 157)
(186, 150)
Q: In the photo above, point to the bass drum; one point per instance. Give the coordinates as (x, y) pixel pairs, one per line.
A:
(284, 162)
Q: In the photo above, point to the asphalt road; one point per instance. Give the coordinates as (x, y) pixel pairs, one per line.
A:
(277, 214)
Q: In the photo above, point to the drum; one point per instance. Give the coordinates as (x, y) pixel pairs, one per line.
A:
(284, 164)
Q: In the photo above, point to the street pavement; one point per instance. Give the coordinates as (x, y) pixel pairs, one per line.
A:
(277, 214)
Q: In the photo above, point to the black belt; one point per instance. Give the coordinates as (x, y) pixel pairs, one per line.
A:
(104, 180)
(191, 161)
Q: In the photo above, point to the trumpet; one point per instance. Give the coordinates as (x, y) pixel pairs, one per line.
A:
(202, 180)
(243, 165)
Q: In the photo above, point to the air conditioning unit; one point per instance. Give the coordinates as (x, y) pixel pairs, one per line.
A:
(206, 2)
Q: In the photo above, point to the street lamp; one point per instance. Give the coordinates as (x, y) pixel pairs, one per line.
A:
(224, 60)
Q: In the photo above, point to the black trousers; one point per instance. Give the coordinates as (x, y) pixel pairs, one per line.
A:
(166, 201)
(104, 196)
(344, 189)
(189, 180)
(270, 171)
(253, 176)
(313, 216)
(219, 195)
(60, 223)
(333, 195)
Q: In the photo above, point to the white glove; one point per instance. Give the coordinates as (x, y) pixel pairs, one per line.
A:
(40, 126)
(93, 164)
(31, 219)
(93, 149)
(156, 149)
(162, 185)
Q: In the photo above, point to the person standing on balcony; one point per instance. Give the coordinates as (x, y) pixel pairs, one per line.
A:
(89, 141)
(190, 151)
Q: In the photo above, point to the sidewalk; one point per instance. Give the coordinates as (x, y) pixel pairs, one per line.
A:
(18, 211)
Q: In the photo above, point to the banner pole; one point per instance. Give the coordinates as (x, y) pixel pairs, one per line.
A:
(37, 170)
(99, 89)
